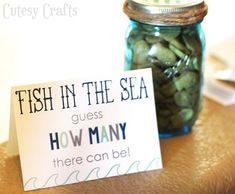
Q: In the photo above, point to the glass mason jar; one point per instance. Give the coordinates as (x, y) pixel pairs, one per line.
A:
(168, 38)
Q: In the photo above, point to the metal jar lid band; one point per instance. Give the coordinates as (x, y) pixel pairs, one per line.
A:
(183, 14)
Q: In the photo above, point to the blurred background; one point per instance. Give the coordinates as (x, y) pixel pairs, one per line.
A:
(63, 47)
(218, 23)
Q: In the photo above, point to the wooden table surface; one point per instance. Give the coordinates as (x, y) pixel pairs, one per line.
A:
(201, 162)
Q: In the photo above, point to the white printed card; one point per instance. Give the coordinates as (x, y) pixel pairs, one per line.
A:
(86, 129)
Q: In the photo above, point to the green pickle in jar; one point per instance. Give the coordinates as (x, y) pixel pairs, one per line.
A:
(167, 37)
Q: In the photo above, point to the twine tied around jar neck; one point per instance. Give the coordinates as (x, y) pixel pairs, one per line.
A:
(166, 16)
